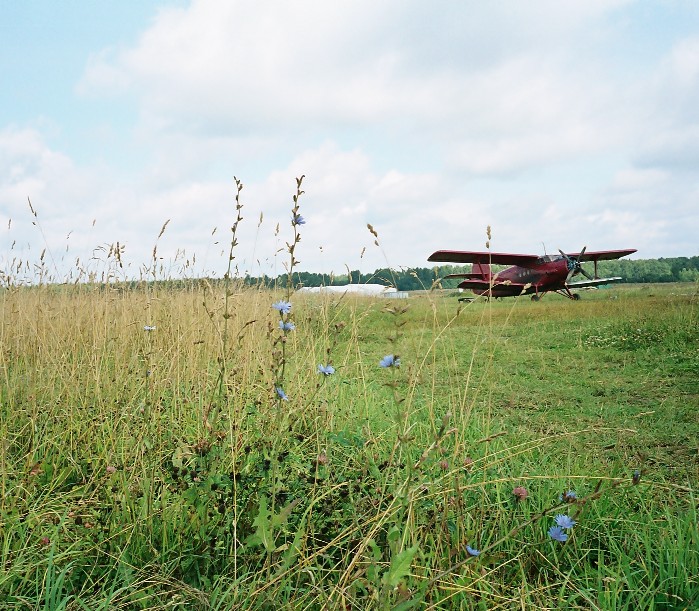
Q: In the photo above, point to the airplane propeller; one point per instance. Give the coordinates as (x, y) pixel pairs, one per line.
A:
(575, 265)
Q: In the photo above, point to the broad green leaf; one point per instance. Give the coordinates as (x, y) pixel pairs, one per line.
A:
(263, 532)
(400, 566)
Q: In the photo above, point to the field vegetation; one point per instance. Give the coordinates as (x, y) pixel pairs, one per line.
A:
(230, 446)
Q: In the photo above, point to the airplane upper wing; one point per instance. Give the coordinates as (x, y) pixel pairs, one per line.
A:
(596, 282)
(498, 258)
(603, 255)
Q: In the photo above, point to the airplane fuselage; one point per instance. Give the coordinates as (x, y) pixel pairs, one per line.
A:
(547, 274)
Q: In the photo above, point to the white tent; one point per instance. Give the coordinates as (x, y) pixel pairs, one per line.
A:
(371, 290)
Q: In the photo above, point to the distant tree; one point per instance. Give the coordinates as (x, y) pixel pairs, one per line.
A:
(689, 275)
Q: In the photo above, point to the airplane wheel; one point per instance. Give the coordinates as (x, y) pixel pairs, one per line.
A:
(576, 297)
(535, 298)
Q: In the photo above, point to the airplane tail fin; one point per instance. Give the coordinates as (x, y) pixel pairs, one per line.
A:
(483, 269)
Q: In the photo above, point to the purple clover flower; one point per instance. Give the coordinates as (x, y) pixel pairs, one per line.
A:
(520, 493)
(557, 534)
(389, 361)
(326, 370)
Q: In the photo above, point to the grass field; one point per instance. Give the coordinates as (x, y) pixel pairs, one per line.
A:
(180, 449)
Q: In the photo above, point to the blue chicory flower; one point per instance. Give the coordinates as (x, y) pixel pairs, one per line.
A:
(286, 326)
(297, 219)
(557, 534)
(389, 361)
(281, 393)
(472, 551)
(564, 521)
(326, 370)
(569, 497)
(283, 306)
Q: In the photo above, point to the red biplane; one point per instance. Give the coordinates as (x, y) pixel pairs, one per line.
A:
(530, 274)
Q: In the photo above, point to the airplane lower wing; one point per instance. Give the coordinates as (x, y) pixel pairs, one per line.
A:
(470, 276)
(596, 282)
(482, 285)
(517, 288)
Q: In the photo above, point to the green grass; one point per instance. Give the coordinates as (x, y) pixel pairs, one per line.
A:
(159, 469)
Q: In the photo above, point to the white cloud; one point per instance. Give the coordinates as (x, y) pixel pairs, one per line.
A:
(634, 178)
(342, 195)
(233, 67)
(669, 136)
(684, 63)
(28, 166)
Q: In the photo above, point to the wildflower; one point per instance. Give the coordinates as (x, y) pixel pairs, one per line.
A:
(468, 462)
(389, 361)
(520, 492)
(149, 328)
(286, 325)
(472, 551)
(281, 394)
(564, 521)
(322, 459)
(110, 469)
(569, 497)
(283, 306)
(297, 219)
(326, 370)
(444, 465)
(44, 541)
(557, 534)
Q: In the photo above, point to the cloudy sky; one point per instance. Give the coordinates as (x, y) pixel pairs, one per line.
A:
(563, 123)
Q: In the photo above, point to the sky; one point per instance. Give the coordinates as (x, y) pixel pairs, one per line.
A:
(558, 123)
